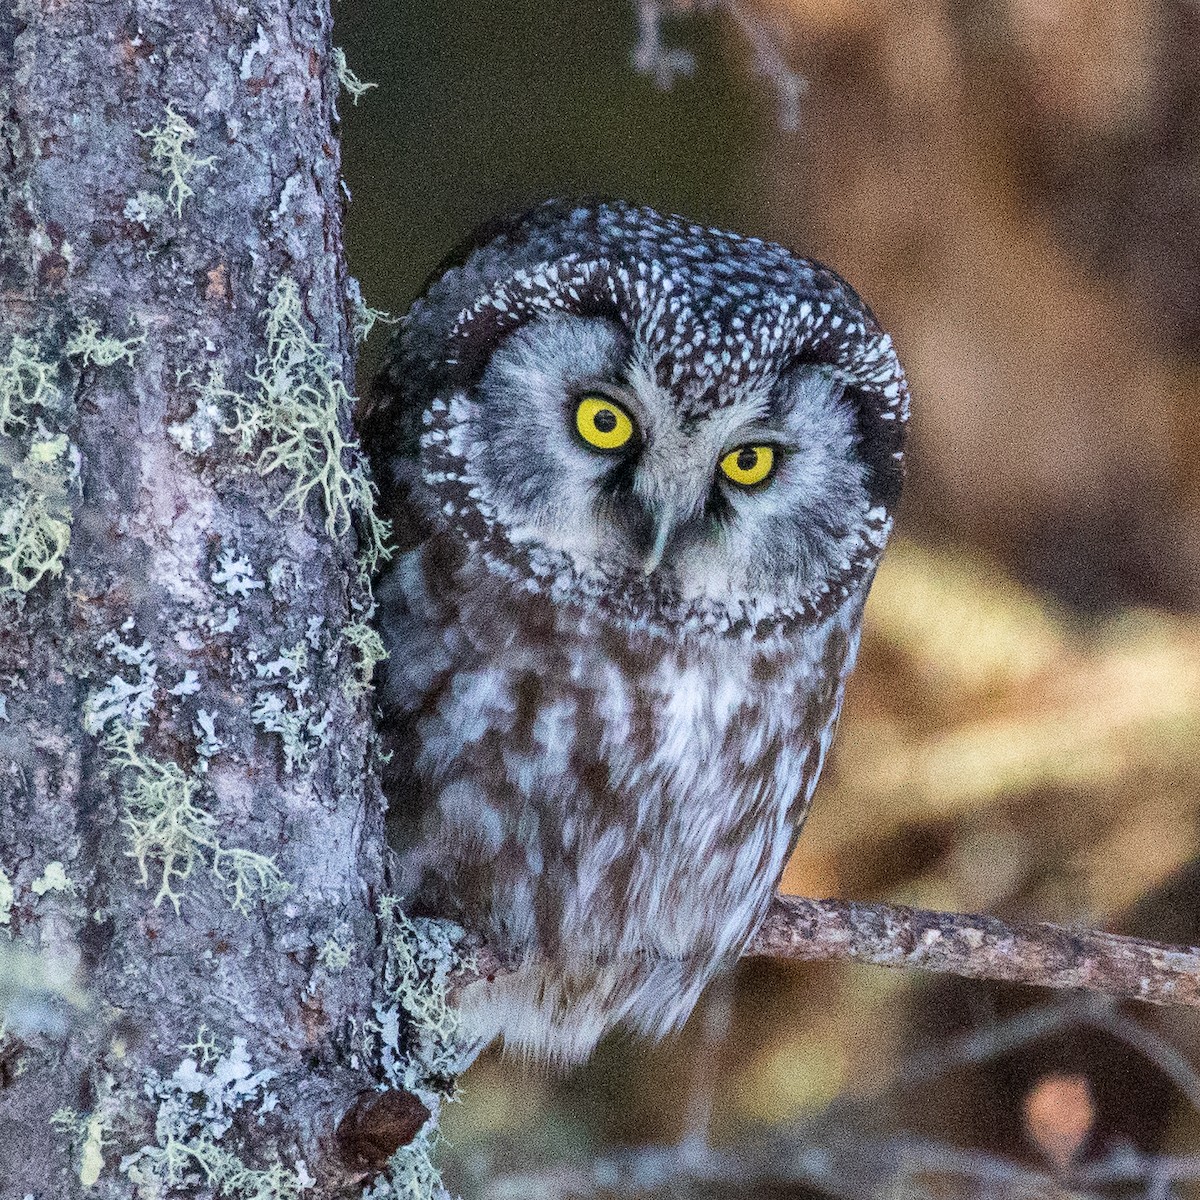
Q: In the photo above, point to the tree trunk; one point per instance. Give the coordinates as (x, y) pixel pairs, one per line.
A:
(192, 869)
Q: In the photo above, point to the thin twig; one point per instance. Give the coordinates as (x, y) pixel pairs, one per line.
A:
(1153, 1046)
(1129, 1165)
(847, 1164)
(989, 1042)
(651, 55)
(844, 1162)
(664, 64)
(715, 1020)
(769, 63)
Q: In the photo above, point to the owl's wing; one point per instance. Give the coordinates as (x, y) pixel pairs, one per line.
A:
(388, 420)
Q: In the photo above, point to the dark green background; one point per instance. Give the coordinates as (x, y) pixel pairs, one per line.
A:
(484, 109)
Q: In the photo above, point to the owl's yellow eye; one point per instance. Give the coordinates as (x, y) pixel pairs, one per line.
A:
(748, 465)
(603, 423)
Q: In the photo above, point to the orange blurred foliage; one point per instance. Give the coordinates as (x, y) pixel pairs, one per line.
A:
(1052, 406)
(1059, 1114)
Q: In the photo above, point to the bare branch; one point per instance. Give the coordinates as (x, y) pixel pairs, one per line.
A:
(978, 947)
(770, 63)
(843, 1163)
(652, 56)
(705, 1070)
(989, 1042)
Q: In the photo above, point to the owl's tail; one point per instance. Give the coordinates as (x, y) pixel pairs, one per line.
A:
(555, 1016)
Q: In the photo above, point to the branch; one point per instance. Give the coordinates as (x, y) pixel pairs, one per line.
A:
(663, 63)
(971, 946)
(978, 947)
(843, 1163)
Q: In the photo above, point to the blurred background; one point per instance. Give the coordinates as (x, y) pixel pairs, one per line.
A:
(1014, 186)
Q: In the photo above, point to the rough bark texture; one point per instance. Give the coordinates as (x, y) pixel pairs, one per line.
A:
(179, 682)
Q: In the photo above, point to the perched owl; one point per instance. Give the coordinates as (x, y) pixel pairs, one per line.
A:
(642, 473)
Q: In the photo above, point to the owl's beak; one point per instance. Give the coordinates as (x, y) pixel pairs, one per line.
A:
(662, 532)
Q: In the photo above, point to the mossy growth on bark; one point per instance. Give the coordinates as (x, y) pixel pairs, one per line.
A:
(296, 418)
(38, 468)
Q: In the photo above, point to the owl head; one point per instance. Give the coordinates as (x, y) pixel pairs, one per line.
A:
(671, 425)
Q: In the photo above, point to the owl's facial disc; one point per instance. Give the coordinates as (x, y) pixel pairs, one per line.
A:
(586, 454)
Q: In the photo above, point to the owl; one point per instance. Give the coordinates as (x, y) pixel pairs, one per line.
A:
(641, 474)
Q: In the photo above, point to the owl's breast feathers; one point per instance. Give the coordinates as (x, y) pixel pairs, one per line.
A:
(609, 808)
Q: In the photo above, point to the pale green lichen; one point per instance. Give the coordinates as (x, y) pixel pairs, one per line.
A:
(35, 513)
(163, 821)
(196, 1108)
(300, 731)
(366, 640)
(303, 726)
(47, 451)
(87, 344)
(89, 1133)
(414, 1037)
(366, 318)
(167, 827)
(169, 144)
(7, 895)
(27, 381)
(333, 956)
(347, 78)
(363, 317)
(53, 879)
(410, 1173)
(91, 1155)
(34, 539)
(300, 409)
(186, 1161)
(420, 956)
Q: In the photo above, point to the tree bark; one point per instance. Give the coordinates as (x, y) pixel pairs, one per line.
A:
(191, 837)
